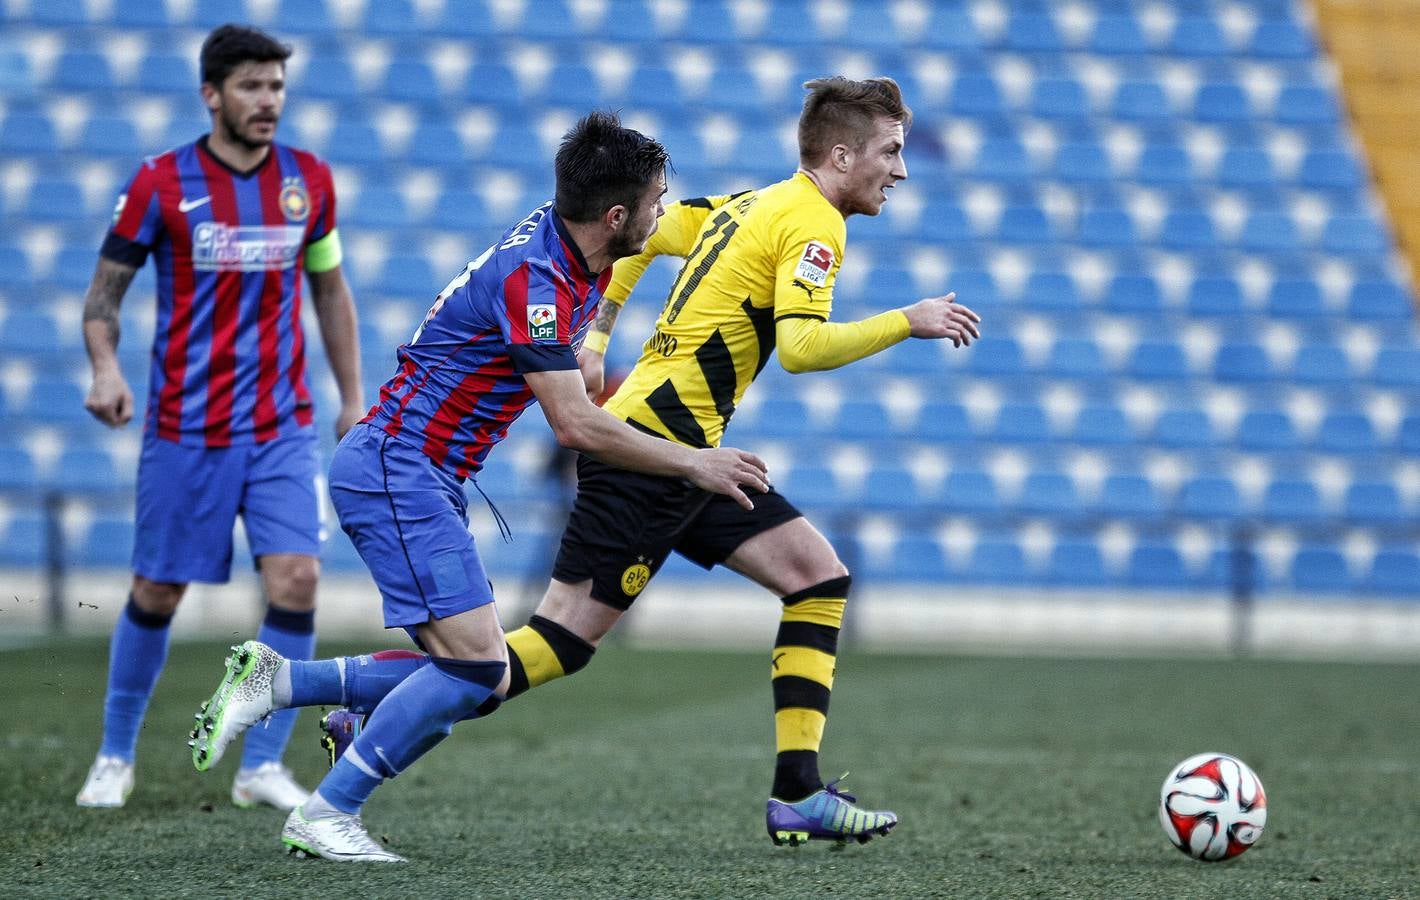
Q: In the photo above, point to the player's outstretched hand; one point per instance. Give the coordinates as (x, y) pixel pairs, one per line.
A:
(728, 471)
(110, 400)
(943, 317)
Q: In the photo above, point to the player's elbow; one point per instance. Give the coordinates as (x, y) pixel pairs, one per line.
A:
(796, 363)
(575, 432)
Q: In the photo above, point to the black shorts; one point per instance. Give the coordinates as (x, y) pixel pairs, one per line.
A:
(624, 525)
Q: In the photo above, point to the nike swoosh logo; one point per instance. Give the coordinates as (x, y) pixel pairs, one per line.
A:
(186, 205)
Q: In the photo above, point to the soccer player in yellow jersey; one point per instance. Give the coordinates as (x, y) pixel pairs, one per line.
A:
(758, 274)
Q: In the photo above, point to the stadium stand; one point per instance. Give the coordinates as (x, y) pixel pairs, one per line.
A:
(1168, 228)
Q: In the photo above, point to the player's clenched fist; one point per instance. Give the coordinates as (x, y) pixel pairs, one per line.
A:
(110, 400)
(943, 317)
(726, 470)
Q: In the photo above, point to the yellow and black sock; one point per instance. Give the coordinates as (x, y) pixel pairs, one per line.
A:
(802, 677)
(541, 651)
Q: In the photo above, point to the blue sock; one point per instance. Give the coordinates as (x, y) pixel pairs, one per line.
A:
(316, 682)
(293, 635)
(369, 678)
(414, 717)
(136, 654)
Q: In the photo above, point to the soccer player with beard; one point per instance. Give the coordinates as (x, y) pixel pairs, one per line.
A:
(234, 223)
(502, 334)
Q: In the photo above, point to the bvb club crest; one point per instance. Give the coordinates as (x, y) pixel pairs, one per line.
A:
(295, 202)
(634, 579)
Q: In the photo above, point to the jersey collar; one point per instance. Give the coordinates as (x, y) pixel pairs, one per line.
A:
(270, 152)
(570, 248)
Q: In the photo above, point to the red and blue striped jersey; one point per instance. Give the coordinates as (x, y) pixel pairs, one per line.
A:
(228, 359)
(524, 305)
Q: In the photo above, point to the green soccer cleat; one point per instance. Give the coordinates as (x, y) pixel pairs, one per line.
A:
(242, 699)
(825, 815)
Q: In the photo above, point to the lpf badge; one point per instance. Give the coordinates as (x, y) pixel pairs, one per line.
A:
(295, 202)
(634, 579)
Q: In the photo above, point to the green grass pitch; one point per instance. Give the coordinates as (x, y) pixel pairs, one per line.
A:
(646, 776)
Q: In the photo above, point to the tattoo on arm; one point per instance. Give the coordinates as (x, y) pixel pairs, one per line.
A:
(606, 317)
(105, 295)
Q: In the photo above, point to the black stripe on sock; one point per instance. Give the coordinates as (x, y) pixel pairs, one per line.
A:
(517, 675)
(290, 620)
(807, 634)
(793, 691)
(834, 587)
(571, 651)
(144, 619)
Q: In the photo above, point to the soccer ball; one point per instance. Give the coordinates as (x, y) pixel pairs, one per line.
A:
(1212, 807)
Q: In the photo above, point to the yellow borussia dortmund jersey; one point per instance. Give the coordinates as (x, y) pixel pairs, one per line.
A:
(750, 259)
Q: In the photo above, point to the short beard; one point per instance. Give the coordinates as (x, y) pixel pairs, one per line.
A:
(232, 131)
(620, 247)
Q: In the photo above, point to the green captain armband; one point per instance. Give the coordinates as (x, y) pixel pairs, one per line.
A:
(324, 254)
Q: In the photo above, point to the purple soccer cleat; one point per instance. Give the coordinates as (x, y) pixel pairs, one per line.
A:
(338, 730)
(825, 815)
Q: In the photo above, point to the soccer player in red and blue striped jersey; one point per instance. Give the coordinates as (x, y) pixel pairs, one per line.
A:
(234, 223)
(501, 334)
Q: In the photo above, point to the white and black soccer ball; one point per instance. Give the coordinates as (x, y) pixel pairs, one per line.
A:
(1212, 807)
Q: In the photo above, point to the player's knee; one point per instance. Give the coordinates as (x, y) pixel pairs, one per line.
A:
(157, 598)
(292, 584)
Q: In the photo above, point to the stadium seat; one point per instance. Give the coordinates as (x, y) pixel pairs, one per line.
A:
(1076, 563)
(1127, 495)
(1002, 158)
(950, 27)
(993, 355)
(1082, 161)
(1246, 167)
(917, 558)
(1140, 101)
(407, 275)
(1044, 290)
(1359, 235)
(1184, 427)
(1157, 360)
(1214, 296)
(459, 210)
(391, 18)
(1323, 364)
(107, 543)
(1102, 424)
(1306, 104)
(1164, 163)
(975, 94)
(944, 422)
(1075, 358)
(28, 133)
(15, 271)
(24, 542)
(83, 71)
(303, 17)
(1291, 500)
(1238, 361)
(1188, 229)
(1333, 167)
(1049, 493)
(168, 73)
(1107, 226)
(110, 134)
(54, 400)
(1266, 430)
(1208, 497)
(1320, 569)
(1197, 35)
(17, 469)
(1373, 502)
(1268, 231)
(1407, 439)
(1394, 570)
(1156, 565)
(141, 14)
(1021, 422)
(1375, 299)
(1134, 294)
(1344, 431)
(493, 83)
(55, 199)
(378, 206)
(890, 487)
(1221, 102)
(1397, 367)
(354, 142)
(1024, 224)
(1282, 39)
(411, 81)
(1295, 298)
(1117, 32)
(811, 485)
(60, 13)
(970, 491)
(996, 559)
(1059, 98)
(864, 419)
(329, 76)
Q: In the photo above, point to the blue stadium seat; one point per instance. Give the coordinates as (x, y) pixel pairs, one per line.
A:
(28, 133)
(654, 87)
(1021, 422)
(781, 415)
(1281, 39)
(458, 210)
(1133, 293)
(1156, 565)
(1330, 167)
(1224, 102)
(1102, 424)
(1128, 495)
(211, 13)
(61, 13)
(1076, 563)
(1059, 98)
(1375, 299)
(329, 76)
(1344, 431)
(1295, 298)
(945, 422)
(626, 21)
(970, 491)
(83, 70)
(437, 143)
(1044, 290)
(1407, 439)
(1024, 224)
(354, 142)
(1208, 497)
(1184, 427)
(303, 17)
(1082, 161)
(946, 224)
(467, 19)
(411, 81)
(141, 14)
(55, 199)
(17, 469)
(378, 205)
(1157, 360)
(1324, 364)
(1106, 226)
(975, 94)
(1050, 493)
(1397, 367)
(494, 83)
(917, 558)
(73, 268)
(1373, 502)
(1268, 231)
(1357, 234)
(89, 469)
(975, 287)
(996, 559)
(110, 134)
(864, 419)
(1291, 500)
(1320, 569)
(53, 400)
(1246, 167)
(108, 542)
(1267, 430)
(890, 487)
(15, 270)
(1188, 229)
(811, 485)
(1141, 101)
(1116, 31)
(995, 355)
(1032, 31)
(31, 331)
(1215, 296)
(1164, 163)
(391, 18)
(168, 73)
(1002, 158)
(407, 275)
(1395, 570)
(950, 27)
(1197, 35)
(1306, 104)
(1240, 361)
(24, 542)
(574, 85)
(1075, 358)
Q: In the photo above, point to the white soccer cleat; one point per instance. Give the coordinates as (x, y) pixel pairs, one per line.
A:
(109, 782)
(242, 699)
(270, 783)
(341, 837)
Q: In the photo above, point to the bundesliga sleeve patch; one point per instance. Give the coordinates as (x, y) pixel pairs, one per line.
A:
(542, 322)
(815, 263)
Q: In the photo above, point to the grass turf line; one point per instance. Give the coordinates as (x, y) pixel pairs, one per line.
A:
(646, 777)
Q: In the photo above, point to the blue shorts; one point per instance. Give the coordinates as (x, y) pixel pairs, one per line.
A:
(190, 497)
(408, 519)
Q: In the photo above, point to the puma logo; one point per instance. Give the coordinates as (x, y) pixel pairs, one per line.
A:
(806, 288)
(777, 657)
(185, 205)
